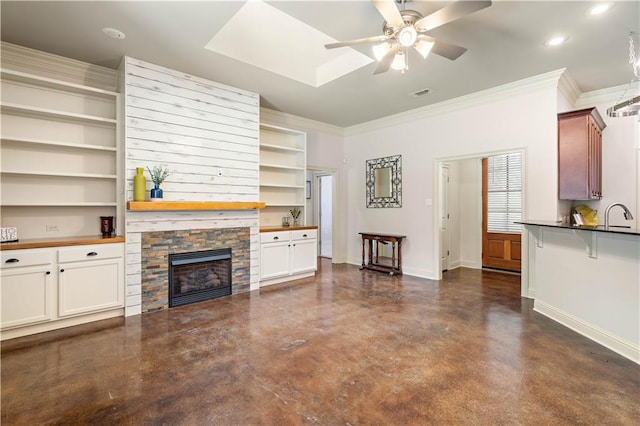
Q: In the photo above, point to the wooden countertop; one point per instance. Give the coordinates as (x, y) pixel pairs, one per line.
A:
(60, 241)
(285, 228)
(193, 205)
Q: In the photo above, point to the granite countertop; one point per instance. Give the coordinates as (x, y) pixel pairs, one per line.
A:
(600, 228)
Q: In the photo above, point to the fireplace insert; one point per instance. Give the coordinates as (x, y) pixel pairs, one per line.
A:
(198, 276)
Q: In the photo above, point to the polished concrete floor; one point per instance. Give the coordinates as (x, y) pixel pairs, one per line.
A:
(349, 347)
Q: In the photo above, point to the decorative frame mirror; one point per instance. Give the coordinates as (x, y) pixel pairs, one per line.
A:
(383, 177)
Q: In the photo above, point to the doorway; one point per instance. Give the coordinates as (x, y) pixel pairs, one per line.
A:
(464, 194)
(322, 205)
(444, 218)
(325, 215)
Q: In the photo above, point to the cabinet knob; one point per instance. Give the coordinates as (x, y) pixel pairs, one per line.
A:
(305, 235)
(92, 253)
(276, 238)
(61, 270)
(12, 260)
(48, 273)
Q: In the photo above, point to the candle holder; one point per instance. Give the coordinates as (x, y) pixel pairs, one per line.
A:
(106, 225)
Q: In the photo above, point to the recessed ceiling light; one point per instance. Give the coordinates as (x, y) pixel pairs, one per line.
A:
(113, 33)
(556, 41)
(600, 8)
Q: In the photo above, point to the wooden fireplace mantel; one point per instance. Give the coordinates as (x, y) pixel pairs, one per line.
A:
(193, 205)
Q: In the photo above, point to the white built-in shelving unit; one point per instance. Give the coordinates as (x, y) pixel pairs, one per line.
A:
(283, 165)
(60, 155)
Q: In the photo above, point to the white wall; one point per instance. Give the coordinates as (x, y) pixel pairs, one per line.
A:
(517, 116)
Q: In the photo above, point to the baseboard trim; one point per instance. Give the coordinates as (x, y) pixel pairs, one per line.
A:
(598, 335)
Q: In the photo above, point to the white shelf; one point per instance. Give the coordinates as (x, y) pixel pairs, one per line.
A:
(60, 144)
(280, 148)
(60, 153)
(51, 83)
(275, 185)
(279, 166)
(51, 113)
(67, 204)
(59, 174)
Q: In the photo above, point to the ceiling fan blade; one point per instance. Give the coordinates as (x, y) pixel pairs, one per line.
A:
(447, 50)
(374, 39)
(386, 60)
(389, 12)
(449, 13)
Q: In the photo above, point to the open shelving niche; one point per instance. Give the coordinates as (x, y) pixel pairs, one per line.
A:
(283, 167)
(60, 156)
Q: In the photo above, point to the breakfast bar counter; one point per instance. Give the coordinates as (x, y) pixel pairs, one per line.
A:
(588, 278)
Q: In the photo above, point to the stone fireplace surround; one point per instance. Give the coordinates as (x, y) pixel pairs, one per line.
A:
(142, 222)
(157, 245)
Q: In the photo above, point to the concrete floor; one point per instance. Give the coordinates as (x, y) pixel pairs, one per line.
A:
(348, 347)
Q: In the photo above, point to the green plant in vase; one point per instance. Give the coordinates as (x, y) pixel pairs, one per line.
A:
(295, 213)
(158, 175)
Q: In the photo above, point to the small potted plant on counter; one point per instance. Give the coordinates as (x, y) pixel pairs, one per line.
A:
(158, 175)
(295, 213)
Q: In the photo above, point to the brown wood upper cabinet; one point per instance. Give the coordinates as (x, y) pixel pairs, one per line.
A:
(580, 155)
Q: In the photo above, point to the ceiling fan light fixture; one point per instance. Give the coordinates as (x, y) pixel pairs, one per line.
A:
(379, 50)
(407, 36)
(399, 62)
(424, 47)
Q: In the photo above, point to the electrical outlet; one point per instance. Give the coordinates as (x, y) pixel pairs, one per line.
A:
(52, 228)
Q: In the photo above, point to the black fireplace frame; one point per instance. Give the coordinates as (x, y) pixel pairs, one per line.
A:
(179, 259)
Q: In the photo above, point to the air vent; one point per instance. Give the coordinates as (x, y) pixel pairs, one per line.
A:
(421, 92)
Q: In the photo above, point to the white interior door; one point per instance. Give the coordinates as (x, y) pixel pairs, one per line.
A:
(325, 190)
(444, 217)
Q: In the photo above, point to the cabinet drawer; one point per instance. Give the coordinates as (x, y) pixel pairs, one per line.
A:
(273, 237)
(20, 258)
(304, 234)
(90, 252)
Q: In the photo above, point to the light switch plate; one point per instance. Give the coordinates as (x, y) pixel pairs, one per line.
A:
(9, 234)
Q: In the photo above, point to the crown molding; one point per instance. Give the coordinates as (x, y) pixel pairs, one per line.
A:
(24, 59)
(568, 87)
(278, 118)
(609, 95)
(546, 80)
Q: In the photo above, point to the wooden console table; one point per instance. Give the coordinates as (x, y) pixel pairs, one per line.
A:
(372, 259)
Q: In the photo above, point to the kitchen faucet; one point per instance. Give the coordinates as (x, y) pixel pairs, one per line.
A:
(627, 213)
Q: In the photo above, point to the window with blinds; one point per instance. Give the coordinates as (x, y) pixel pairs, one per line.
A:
(504, 193)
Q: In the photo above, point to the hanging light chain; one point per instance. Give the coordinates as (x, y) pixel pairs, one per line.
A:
(632, 58)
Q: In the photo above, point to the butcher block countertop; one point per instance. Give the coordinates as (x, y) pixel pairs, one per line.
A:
(60, 242)
(285, 228)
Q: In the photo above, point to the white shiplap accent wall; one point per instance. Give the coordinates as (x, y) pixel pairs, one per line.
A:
(207, 134)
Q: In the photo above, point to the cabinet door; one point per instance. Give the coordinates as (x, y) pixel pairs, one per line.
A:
(305, 256)
(274, 260)
(90, 286)
(26, 296)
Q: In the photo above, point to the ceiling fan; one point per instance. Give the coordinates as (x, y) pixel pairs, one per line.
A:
(407, 28)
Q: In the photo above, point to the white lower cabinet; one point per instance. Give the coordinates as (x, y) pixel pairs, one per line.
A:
(49, 288)
(26, 296)
(287, 255)
(87, 285)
